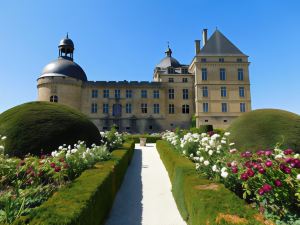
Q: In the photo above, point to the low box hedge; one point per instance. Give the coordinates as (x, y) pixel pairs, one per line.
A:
(199, 200)
(89, 198)
(150, 138)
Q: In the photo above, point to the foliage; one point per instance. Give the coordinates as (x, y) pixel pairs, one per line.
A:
(36, 126)
(151, 138)
(112, 139)
(262, 129)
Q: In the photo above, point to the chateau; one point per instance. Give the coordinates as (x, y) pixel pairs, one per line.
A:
(215, 88)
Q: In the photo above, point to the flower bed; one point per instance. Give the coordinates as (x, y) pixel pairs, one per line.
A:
(269, 178)
(151, 138)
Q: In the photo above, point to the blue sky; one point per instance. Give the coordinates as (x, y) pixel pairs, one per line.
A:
(124, 40)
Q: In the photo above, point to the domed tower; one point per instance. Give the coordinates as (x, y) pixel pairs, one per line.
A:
(62, 79)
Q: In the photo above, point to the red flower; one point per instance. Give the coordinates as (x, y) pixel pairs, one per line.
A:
(260, 152)
(277, 183)
(261, 191)
(268, 152)
(52, 165)
(261, 170)
(288, 151)
(244, 176)
(248, 164)
(268, 163)
(57, 169)
(287, 170)
(250, 173)
(234, 169)
(61, 159)
(267, 187)
(229, 164)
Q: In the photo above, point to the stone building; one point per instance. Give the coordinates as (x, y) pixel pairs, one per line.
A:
(215, 88)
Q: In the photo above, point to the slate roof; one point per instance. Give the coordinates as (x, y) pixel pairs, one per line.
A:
(219, 45)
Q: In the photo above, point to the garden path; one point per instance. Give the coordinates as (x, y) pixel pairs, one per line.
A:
(145, 196)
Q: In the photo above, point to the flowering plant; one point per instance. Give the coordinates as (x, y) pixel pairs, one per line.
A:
(112, 139)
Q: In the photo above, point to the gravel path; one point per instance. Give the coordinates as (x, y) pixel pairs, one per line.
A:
(145, 196)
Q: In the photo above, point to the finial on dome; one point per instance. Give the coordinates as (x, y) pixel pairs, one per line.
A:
(168, 51)
(67, 35)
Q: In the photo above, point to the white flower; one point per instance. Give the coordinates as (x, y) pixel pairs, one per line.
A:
(231, 144)
(60, 148)
(196, 158)
(223, 141)
(198, 152)
(184, 152)
(3, 138)
(74, 150)
(1, 147)
(214, 168)
(54, 153)
(191, 155)
(227, 134)
(234, 163)
(223, 169)
(210, 152)
(298, 177)
(201, 159)
(232, 150)
(219, 147)
(296, 156)
(279, 156)
(224, 174)
(206, 163)
(197, 166)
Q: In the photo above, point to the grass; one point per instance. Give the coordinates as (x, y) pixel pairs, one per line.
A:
(201, 201)
(262, 129)
(33, 126)
(89, 198)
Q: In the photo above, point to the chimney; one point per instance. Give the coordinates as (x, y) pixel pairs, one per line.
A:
(204, 36)
(197, 47)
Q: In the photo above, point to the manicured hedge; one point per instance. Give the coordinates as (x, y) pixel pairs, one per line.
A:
(150, 138)
(200, 201)
(89, 198)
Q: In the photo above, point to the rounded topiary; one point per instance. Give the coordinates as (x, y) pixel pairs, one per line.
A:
(264, 128)
(36, 126)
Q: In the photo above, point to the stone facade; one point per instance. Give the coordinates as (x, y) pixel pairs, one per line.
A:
(215, 88)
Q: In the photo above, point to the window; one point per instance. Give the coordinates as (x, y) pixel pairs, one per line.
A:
(144, 93)
(156, 108)
(204, 73)
(105, 93)
(203, 59)
(184, 80)
(242, 107)
(185, 109)
(117, 93)
(170, 70)
(242, 91)
(144, 107)
(222, 74)
(105, 108)
(240, 74)
(128, 108)
(205, 91)
(150, 127)
(206, 121)
(171, 93)
(221, 59)
(94, 108)
(171, 109)
(184, 70)
(94, 93)
(225, 121)
(155, 93)
(128, 93)
(185, 93)
(239, 60)
(224, 107)
(205, 107)
(223, 92)
(171, 80)
(53, 98)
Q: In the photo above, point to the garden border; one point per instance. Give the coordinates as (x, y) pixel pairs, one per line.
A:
(89, 198)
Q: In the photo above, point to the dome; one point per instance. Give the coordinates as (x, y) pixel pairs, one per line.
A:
(66, 42)
(64, 67)
(168, 61)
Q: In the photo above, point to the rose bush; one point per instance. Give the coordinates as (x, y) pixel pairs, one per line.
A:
(268, 178)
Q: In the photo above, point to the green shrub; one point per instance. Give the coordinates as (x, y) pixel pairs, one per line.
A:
(89, 198)
(150, 138)
(200, 201)
(201, 129)
(36, 126)
(262, 129)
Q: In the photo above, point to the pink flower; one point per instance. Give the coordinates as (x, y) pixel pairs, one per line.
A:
(248, 164)
(261, 170)
(246, 154)
(288, 151)
(244, 176)
(234, 169)
(250, 173)
(268, 163)
(277, 183)
(268, 152)
(260, 152)
(261, 191)
(267, 187)
(52, 165)
(287, 170)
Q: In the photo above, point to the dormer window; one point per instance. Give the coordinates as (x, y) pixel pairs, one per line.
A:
(184, 70)
(171, 70)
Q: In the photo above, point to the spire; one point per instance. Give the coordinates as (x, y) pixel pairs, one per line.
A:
(66, 48)
(67, 35)
(168, 51)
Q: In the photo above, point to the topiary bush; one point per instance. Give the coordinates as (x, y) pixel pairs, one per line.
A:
(36, 126)
(263, 128)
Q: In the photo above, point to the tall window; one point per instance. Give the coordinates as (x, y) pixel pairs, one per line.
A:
(144, 107)
(205, 107)
(171, 80)
(105, 93)
(224, 107)
(239, 60)
(117, 93)
(171, 109)
(184, 80)
(205, 91)
(223, 92)
(204, 73)
(144, 93)
(128, 93)
(155, 93)
(240, 74)
(94, 93)
(185, 93)
(184, 70)
(242, 91)
(128, 108)
(203, 59)
(222, 74)
(221, 59)
(171, 93)
(170, 70)
(185, 109)
(53, 98)
(105, 108)
(242, 107)
(94, 108)
(156, 108)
